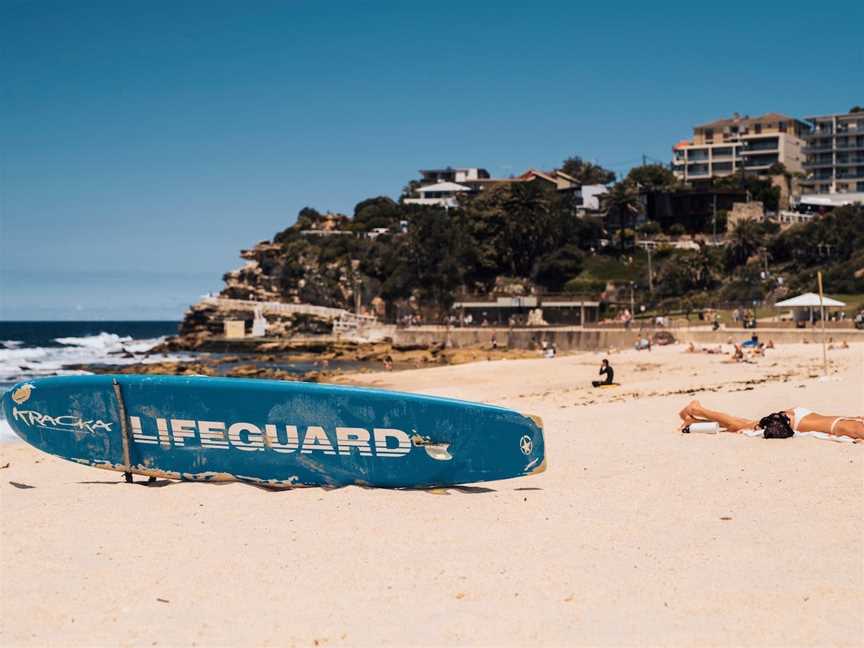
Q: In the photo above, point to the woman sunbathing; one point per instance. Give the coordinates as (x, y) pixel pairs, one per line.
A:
(800, 419)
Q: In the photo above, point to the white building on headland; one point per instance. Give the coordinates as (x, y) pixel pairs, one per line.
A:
(441, 194)
(440, 187)
(589, 196)
(449, 174)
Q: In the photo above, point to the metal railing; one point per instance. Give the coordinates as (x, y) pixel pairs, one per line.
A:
(280, 308)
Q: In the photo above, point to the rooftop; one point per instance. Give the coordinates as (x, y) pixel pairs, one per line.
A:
(443, 186)
(451, 169)
(746, 120)
(839, 115)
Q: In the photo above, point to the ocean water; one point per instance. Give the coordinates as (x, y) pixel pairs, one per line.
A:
(34, 349)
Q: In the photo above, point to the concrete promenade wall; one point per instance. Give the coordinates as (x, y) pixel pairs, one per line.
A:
(588, 339)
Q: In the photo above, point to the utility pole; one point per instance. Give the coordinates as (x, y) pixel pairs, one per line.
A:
(822, 317)
(714, 216)
(650, 271)
(355, 275)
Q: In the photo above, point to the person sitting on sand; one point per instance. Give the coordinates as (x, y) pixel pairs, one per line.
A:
(800, 419)
(642, 343)
(605, 368)
(753, 342)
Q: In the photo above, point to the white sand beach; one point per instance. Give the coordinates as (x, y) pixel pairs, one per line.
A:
(635, 535)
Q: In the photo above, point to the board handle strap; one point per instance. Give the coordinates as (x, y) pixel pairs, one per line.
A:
(124, 430)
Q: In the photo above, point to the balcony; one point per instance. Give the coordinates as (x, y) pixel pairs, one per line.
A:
(849, 144)
(851, 175)
(813, 163)
(760, 146)
(760, 161)
(849, 160)
(813, 150)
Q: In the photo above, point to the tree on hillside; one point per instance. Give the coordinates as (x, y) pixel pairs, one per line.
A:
(760, 189)
(747, 237)
(433, 253)
(856, 109)
(687, 271)
(377, 212)
(835, 237)
(586, 172)
(555, 269)
(409, 189)
(529, 226)
(652, 176)
(624, 205)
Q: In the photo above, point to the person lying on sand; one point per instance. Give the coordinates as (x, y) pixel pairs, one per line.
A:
(692, 348)
(800, 419)
(737, 355)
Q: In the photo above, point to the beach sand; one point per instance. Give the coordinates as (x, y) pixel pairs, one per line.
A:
(635, 535)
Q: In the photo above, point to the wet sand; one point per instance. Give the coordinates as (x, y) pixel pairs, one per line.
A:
(635, 535)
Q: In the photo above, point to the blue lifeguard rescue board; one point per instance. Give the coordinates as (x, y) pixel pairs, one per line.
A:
(271, 432)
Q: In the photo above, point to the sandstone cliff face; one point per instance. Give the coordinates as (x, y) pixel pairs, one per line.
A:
(259, 278)
(294, 268)
(291, 272)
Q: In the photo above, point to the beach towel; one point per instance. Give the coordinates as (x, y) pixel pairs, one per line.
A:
(816, 435)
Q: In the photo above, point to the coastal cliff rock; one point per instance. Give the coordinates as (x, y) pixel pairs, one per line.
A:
(203, 327)
(312, 262)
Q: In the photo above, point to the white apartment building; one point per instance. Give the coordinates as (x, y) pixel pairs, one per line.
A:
(722, 147)
(835, 154)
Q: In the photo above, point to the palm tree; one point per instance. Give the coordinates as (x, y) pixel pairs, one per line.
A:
(745, 241)
(527, 226)
(624, 204)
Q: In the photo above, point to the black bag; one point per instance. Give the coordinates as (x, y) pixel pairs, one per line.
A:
(776, 426)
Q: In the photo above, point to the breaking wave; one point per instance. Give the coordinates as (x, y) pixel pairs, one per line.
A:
(18, 362)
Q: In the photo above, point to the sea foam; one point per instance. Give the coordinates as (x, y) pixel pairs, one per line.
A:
(21, 363)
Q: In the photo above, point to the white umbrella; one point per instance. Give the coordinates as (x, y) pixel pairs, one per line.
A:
(808, 300)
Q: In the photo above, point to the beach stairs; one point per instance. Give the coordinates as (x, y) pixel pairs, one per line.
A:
(346, 325)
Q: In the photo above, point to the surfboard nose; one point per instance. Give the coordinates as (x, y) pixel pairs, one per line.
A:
(17, 395)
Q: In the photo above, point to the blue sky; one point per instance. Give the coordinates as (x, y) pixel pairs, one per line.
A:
(143, 144)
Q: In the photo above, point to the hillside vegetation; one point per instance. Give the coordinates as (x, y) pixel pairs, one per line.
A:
(520, 237)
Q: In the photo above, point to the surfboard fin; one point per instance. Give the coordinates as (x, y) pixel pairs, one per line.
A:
(437, 451)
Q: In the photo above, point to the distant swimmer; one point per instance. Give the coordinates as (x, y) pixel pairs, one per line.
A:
(605, 368)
